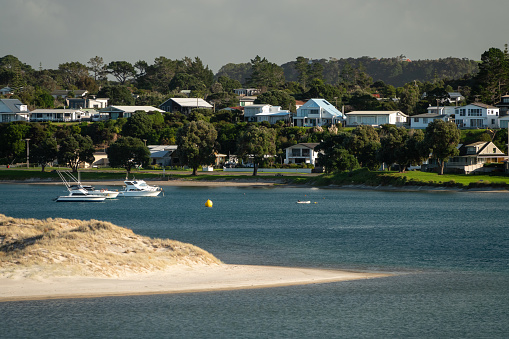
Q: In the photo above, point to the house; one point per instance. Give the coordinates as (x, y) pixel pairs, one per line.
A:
(455, 97)
(444, 110)
(376, 118)
(246, 101)
(472, 157)
(420, 121)
(116, 112)
(13, 110)
(79, 103)
(299, 103)
(476, 115)
(246, 91)
(64, 93)
(100, 159)
(301, 153)
(56, 115)
(503, 122)
(6, 91)
(317, 112)
(265, 112)
(163, 155)
(184, 105)
(503, 105)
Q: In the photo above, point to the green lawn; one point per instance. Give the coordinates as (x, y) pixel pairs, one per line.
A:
(463, 179)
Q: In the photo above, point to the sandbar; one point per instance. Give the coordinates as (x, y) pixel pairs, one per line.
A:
(177, 279)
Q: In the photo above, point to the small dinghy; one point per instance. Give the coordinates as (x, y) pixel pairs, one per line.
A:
(303, 202)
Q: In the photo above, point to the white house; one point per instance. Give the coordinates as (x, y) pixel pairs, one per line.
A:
(376, 118)
(420, 121)
(116, 112)
(317, 112)
(301, 153)
(246, 91)
(13, 110)
(162, 154)
(56, 115)
(265, 112)
(184, 105)
(444, 110)
(503, 122)
(80, 103)
(477, 115)
(64, 93)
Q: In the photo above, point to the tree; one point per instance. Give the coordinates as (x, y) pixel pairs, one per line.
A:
(122, 70)
(265, 74)
(392, 138)
(12, 142)
(44, 152)
(71, 73)
(118, 95)
(441, 139)
(139, 125)
(76, 150)
(196, 143)
(97, 67)
(256, 141)
(363, 143)
(412, 151)
(493, 76)
(333, 156)
(277, 98)
(128, 152)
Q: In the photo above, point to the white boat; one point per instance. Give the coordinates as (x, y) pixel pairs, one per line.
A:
(103, 192)
(74, 183)
(303, 202)
(80, 195)
(139, 188)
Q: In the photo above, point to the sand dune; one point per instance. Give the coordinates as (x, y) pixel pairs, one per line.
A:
(62, 258)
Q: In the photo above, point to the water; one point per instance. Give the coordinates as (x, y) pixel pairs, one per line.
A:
(450, 248)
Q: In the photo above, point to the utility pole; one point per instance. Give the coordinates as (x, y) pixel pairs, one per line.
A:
(28, 152)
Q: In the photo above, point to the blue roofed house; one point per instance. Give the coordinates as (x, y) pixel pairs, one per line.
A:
(13, 110)
(317, 112)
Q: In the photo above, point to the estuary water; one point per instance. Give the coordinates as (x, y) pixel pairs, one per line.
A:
(450, 251)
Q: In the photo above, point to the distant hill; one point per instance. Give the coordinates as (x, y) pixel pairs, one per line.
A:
(395, 71)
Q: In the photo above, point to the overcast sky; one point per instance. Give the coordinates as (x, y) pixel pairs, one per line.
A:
(52, 32)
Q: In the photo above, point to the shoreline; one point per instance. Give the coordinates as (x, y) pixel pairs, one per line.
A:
(260, 182)
(174, 280)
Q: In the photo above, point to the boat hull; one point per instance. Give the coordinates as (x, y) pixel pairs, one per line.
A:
(140, 193)
(89, 198)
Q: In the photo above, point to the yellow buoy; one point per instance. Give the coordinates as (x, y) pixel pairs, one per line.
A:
(208, 203)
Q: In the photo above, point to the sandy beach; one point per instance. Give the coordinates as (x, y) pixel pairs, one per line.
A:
(178, 279)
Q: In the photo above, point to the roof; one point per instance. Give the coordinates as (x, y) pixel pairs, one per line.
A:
(191, 102)
(66, 91)
(55, 110)
(428, 115)
(12, 105)
(330, 108)
(481, 145)
(480, 104)
(131, 109)
(375, 113)
(281, 113)
(310, 145)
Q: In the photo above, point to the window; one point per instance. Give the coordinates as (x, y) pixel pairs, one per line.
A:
(416, 119)
(494, 150)
(424, 120)
(295, 152)
(305, 152)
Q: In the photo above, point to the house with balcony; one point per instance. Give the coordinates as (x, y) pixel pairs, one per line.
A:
(421, 121)
(13, 110)
(56, 115)
(376, 118)
(444, 110)
(81, 103)
(265, 112)
(116, 112)
(301, 153)
(317, 112)
(477, 115)
(472, 157)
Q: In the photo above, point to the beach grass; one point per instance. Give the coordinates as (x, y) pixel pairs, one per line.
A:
(87, 248)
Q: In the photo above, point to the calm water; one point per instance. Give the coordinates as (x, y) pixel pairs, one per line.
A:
(451, 248)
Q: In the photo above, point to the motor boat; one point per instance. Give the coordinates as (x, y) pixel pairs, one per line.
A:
(80, 195)
(139, 188)
(73, 183)
(103, 192)
(303, 202)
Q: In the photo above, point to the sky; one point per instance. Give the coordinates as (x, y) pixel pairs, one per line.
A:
(51, 32)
